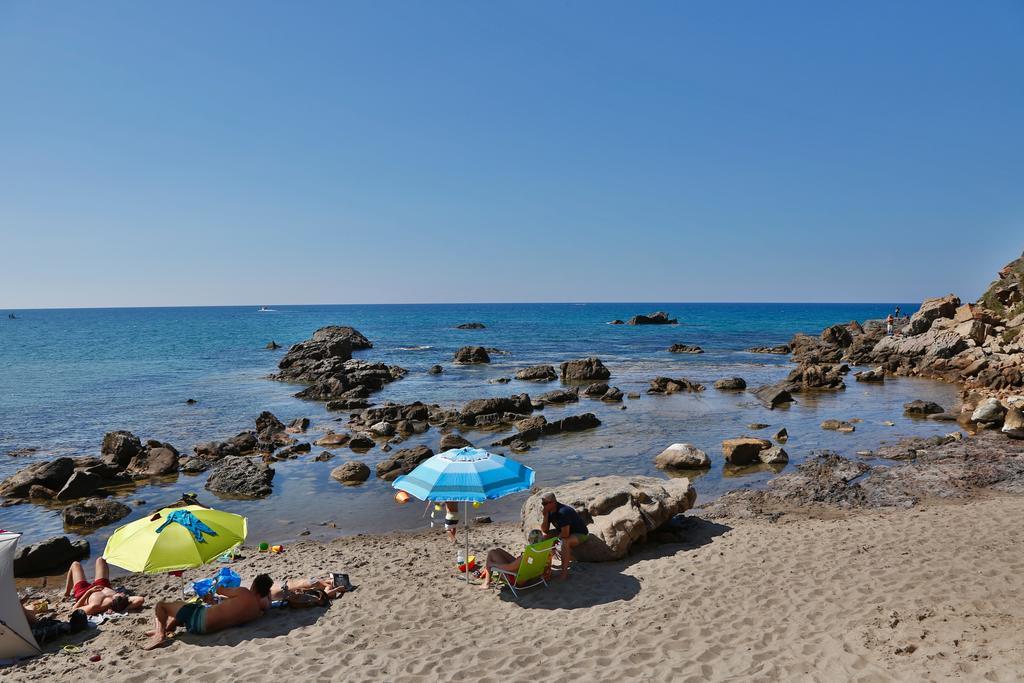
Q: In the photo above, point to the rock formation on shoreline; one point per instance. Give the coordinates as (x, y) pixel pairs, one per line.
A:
(656, 318)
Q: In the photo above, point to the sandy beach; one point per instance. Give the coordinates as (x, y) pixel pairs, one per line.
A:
(928, 593)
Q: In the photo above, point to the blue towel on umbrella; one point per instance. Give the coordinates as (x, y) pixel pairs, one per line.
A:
(190, 522)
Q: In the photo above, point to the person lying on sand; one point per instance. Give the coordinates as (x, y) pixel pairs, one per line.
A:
(99, 596)
(333, 586)
(499, 558)
(241, 606)
(564, 522)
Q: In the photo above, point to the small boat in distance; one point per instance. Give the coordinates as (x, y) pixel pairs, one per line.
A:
(11, 316)
(264, 309)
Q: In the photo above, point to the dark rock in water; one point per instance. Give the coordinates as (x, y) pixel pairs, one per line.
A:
(323, 456)
(244, 442)
(79, 485)
(920, 407)
(731, 384)
(292, 451)
(875, 375)
(616, 322)
(119, 448)
(657, 318)
(499, 380)
(837, 426)
(453, 440)
(816, 377)
(684, 348)
(682, 456)
(472, 354)
(633, 395)
(332, 439)
(667, 385)
(773, 456)
(613, 395)
(573, 423)
(267, 426)
(272, 345)
(240, 476)
(744, 451)
(194, 465)
(779, 349)
(155, 461)
(537, 373)
(361, 442)
(757, 425)
(191, 401)
(475, 412)
(560, 396)
(435, 370)
(532, 428)
(470, 326)
(782, 436)
(52, 475)
(94, 513)
(772, 395)
(596, 389)
(19, 452)
(215, 450)
(351, 473)
(53, 556)
(584, 369)
(402, 462)
(347, 404)
(298, 425)
(37, 492)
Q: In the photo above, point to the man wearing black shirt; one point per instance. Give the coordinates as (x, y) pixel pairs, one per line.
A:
(565, 523)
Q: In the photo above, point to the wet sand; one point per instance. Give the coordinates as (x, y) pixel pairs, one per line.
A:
(928, 593)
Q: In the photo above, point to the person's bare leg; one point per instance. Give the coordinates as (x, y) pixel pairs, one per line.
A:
(102, 569)
(508, 567)
(163, 621)
(75, 574)
(567, 545)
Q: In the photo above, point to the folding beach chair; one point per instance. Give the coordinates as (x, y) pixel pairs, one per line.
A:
(531, 568)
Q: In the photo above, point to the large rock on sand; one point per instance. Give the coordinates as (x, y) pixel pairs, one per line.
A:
(619, 511)
(52, 556)
(241, 476)
(682, 456)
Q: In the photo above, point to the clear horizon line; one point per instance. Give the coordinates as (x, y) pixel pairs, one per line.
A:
(469, 303)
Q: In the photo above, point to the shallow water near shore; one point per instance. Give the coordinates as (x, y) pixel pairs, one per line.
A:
(69, 376)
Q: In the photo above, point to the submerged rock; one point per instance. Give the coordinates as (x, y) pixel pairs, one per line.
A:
(744, 450)
(667, 385)
(472, 354)
(402, 462)
(656, 318)
(920, 407)
(731, 384)
(779, 349)
(241, 476)
(94, 513)
(685, 348)
(538, 373)
(773, 395)
(584, 369)
(471, 326)
(351, 473)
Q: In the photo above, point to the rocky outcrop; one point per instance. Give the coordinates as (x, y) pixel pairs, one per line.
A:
(325, 363)
(472, 354)
(435, 370)
(332, 439)
(656, 318)
(619, 511)
(561, 396)
(584, 370)
(52, 556)
(816, 377)
(471, 326)
(731, 384)
(351, 473)
(94, 513)
(874, 375)
(402, 462)
(271, 432)
(930, 311)
(613, 395)
(682, 456)
(273, 345)
(777, 350)
(838, 426)
(744, 450)
(451, 441)
(537, 373)
(51, 475)
(119, 448)
(685, 348)
(241, 477)
(667, 385)
(155, 460)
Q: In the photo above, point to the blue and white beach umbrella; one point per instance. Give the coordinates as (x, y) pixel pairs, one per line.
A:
(467, 475)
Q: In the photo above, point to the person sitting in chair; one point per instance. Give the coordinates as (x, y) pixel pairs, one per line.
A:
(563, 522)
(499, 558)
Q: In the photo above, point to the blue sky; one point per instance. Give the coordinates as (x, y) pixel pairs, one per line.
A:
(244, 153)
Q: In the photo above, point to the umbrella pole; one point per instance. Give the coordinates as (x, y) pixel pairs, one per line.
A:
(466, 507)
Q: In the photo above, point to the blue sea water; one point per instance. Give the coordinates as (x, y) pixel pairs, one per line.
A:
(69, 376)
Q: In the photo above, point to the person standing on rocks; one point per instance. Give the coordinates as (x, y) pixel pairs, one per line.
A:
(888, 325)
(563, 522)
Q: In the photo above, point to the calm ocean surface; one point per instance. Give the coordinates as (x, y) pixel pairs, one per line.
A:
(69, 376)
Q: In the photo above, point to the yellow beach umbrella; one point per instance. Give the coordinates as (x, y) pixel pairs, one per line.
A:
(158, 543)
